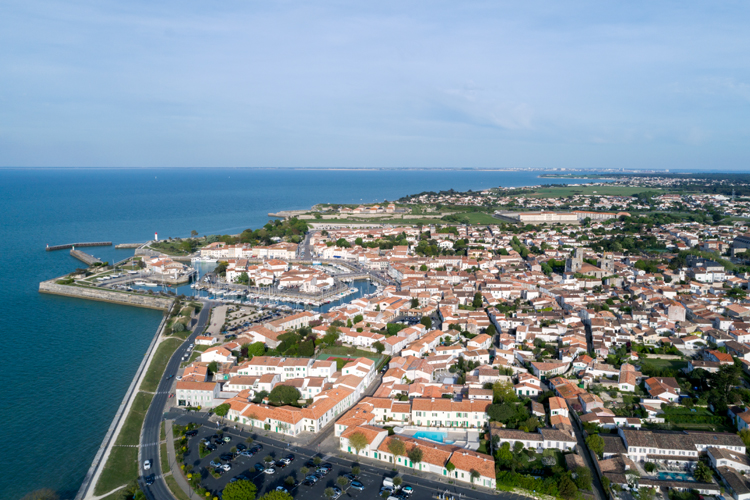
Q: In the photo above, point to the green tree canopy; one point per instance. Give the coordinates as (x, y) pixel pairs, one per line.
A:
(240, 490)
(284, 394)
(222, 409)
(358, 441)
(397, 447)
(415, 454)
(256, 349)
(426, 321)
(278, 495)
(595, 444)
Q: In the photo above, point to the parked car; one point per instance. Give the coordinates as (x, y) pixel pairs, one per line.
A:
(227, 439)
(408, 490)
(270, 470)
(149, 480)
(246, 453)
(147, 465)
(241, 447)
(289, 458)
(281, 464)
(227, 467)
(281, 489)
(226, 456)
(211, 447)
(191, 433)
(357, 485)
(259, 467)
(350, 477)
(336, 493)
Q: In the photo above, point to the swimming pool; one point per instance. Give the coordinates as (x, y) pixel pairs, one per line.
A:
(676, 476)
(438, 437)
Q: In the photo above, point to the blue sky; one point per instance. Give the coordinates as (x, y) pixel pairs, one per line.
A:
(375, 84)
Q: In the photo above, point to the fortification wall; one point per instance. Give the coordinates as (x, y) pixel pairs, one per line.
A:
(129, 299)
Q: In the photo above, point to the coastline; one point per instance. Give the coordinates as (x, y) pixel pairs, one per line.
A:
(100, 460)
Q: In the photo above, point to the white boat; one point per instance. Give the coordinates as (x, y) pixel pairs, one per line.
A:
(148, 283)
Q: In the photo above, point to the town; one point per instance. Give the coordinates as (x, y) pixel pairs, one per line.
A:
(612, 353)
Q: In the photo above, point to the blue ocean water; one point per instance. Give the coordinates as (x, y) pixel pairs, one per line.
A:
(68, 362)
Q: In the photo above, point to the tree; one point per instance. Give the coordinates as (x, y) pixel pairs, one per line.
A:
(329, 493)
(193, 233)
(703, 473)
(331, 336)
(397, 447)
(646, 493)
(567, 488)
(491, 330)
(317, 460)
(355, 470)
(414, 303)
(213, 367)
(745, 436)
(358, 441)
(477, 302)
(289, 481)
(342, 481)
(303, 471)
(504, 455)
(721, 384)
(426, 321)
(284, 394)
(379, 347)
(474, 474)
(239, 490)
(415, 455)
(504, 392)
(268, 459)
(222, 410)
(583, 478)
(397, 481)
(650, 467)
(42, 494)
(256, 349)
(278, 495)
(595, 444)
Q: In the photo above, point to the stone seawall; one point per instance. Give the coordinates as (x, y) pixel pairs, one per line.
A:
(128, 299)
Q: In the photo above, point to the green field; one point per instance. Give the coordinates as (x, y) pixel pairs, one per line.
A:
(159, 363)
(120, 469)
(676, 364)
(562, 191)
(346, 352)
(164, 457)
(174, 488)
(122, 464)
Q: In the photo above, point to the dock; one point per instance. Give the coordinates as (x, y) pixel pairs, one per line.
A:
(129, 245)
(85, 258)
(71, 245)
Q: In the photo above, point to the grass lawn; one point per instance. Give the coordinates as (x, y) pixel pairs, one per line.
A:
(164, 458)
(348, 352)
(175, 489)
(131, 430)
(483, 447)
(117, 495)
(665, 363)
(120, 469)
(162, 433)
(159, 363)
(560, 191)
(480, 218)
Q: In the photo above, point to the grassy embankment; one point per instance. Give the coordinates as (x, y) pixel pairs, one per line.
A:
(122, 463)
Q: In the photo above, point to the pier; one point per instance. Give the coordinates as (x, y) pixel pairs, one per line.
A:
(71, 245)
(87, 259)
(129, 245)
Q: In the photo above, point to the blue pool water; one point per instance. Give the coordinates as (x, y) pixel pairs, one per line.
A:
(438, 437)
(675, 476)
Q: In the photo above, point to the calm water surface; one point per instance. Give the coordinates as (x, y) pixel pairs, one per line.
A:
(67, 361)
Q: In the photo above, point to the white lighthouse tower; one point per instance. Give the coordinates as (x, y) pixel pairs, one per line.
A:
(156, 236)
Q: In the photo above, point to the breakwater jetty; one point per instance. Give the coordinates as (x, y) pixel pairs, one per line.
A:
(129, 245)
(71, 245)
(102, 295)
(87, 259)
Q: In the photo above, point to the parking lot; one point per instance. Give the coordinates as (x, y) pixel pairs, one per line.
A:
(242, 465)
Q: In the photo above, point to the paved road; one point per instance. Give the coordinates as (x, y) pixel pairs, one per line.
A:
(597, 488)
(150, 435)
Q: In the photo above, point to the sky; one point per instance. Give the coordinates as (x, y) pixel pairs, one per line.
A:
(386, 84)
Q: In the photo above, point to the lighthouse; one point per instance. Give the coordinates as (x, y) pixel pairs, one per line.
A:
(156, 236)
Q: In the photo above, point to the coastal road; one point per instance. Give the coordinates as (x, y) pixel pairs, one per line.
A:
(150, 435)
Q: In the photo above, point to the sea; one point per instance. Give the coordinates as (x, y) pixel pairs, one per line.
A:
(69, 361)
